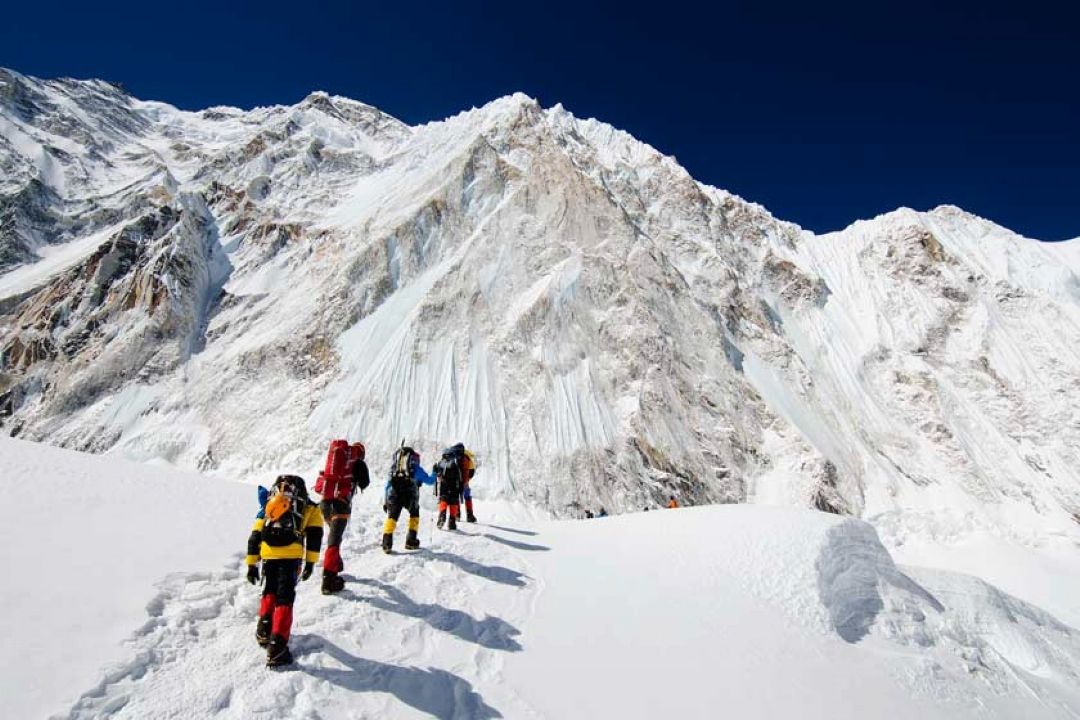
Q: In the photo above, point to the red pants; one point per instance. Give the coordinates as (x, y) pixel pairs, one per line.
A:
(455, 509)
(335, 517)
(279, 592)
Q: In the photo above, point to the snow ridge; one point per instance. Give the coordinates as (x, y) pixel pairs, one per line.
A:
(768, 612)
(226, 290)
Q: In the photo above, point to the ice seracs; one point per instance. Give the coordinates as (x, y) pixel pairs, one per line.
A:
(228, 289)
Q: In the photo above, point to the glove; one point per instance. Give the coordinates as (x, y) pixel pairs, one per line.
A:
(253, 574)
(309, 567)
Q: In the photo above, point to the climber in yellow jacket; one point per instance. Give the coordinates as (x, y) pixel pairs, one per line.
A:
(287, 531)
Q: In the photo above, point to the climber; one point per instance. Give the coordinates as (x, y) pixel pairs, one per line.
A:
(345, 472)
(452, 473)
(673, 503)
(469, 469)
(403, 493)
(287, 531)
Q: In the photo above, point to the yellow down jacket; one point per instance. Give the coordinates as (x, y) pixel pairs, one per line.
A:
(308, 539)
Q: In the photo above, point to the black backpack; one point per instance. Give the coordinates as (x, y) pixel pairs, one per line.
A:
(454, 452)
(402, 477)
(451, 477)
(283, 514)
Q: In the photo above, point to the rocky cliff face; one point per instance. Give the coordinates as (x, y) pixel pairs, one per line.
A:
(228, 290)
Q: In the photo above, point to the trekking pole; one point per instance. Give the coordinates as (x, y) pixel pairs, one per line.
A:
(431, 525)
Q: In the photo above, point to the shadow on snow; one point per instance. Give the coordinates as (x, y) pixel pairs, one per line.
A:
(491, 632)
(514, 530)
(496, 573)
(515, 544)
(433, 691)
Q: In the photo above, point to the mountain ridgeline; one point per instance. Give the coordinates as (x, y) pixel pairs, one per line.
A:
(226, 290)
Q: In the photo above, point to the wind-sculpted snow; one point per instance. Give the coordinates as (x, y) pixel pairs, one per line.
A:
(135, 606)
(88, 539)
(227, 290)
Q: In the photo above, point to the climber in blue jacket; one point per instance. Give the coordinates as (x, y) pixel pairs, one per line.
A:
(403, 492)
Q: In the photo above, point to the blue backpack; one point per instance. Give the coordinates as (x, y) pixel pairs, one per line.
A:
(264, 495)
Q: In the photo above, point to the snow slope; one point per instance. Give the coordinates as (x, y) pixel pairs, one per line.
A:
(758, 612)
(226, 290)
(761, 612)
(96, 549)
(598, 326)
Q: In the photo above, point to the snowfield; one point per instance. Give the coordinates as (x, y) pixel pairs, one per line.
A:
(222, 292)
(753, 612)
(96, 550)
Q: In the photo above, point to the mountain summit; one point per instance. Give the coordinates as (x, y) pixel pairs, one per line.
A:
(226, 290)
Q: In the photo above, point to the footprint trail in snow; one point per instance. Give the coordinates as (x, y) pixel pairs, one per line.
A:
(414, 634)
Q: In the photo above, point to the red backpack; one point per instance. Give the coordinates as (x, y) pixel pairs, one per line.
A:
(335, 481)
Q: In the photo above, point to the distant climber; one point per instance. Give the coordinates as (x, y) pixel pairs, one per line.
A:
(466, 492)
(452, 475)
(602, 513)
(589, 515)
(403, 493)
(287, 531)
(673, 503)
(345, 472)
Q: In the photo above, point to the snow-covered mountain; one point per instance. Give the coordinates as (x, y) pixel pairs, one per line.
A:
(226, 290)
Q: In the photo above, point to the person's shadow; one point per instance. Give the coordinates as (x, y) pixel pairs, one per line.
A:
(491, 632)
(513, 530)
(516, 544)
(497, 573)
(436, 692)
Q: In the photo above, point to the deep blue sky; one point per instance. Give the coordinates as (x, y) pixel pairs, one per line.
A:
(824, 113)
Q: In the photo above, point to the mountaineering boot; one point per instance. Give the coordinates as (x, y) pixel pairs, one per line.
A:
(332, 583)
(262, 630)
(411, 541)
(442, 519)
(387, 542)
(469, 517)
(452, 525)
(264, 626)
(277, 654)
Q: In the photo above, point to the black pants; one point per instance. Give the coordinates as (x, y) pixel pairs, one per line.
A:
(280, 580)
(336, 515)
(279, 593)
(395, 504)
(450, 495)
